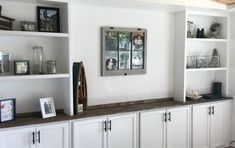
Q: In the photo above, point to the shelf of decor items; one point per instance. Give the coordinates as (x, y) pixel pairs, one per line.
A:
(205, 40)
(206, 69)
(33, 34)
(32, 77)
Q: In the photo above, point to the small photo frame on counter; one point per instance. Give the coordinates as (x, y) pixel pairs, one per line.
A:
(47, 107)
(7, 110)
(21, 67)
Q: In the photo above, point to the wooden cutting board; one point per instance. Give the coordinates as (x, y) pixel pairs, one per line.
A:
(228, 2)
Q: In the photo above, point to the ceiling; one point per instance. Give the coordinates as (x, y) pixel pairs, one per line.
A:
(228, 2)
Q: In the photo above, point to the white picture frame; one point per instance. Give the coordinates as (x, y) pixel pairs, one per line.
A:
(47, 107)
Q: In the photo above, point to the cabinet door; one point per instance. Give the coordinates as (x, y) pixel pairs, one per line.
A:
(52, 136)
(89, 133)
(122, 131)
(152, 129)
(201, 126)
(228, 121)
(178, 128)
(217, 136)
(17, 138)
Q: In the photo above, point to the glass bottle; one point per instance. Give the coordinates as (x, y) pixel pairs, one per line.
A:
(38, 60)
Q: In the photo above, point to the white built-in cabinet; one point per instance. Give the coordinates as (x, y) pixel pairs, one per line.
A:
(42, 136)
(117, 131)
(211, 125)
(201, 79)
(29, 88)
(166, 128)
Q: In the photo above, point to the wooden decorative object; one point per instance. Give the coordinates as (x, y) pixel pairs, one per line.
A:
(227, 2)
(79, 87)
(5, 22)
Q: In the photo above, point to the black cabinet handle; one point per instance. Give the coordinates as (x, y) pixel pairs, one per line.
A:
(169, 116)
(33, 137)
(39, 137)
(209, 110)
(165, 117)
(105, 126)
(110, 125)
(213, 110)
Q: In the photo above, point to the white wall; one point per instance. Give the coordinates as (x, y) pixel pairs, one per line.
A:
(86, 22)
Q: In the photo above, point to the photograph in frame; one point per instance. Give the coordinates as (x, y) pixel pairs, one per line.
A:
(111, 60)
(138, 41)
(47, 107)
(124, 40)
(137, 60)
(124, 60)
(111, 40)
(48, 19)
(7, 110)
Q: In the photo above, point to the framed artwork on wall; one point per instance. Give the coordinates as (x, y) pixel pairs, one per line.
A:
(123, 51)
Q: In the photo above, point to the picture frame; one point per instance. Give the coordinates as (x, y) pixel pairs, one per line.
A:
(123, 51)
(21, 67)
(7, 110)
(47, 107)
(28, 26)
(48, 19)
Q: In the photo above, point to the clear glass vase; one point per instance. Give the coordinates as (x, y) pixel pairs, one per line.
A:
(38, 58)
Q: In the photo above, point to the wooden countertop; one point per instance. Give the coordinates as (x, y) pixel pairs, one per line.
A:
(101, 110)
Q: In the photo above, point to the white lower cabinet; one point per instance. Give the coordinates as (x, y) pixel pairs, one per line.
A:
(167, 128)
(118, 131)
(46, 136)
(211, 125)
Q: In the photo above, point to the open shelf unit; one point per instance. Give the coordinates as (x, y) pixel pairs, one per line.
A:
(19, 44)
(187, 79)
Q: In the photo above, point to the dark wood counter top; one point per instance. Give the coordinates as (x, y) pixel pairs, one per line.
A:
(108, 109)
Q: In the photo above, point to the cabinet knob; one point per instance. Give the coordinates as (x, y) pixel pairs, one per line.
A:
(39, 137)
(105, 126)
(213, 110)
(209, 111)
(169, 116)
(33, 137)
(110, 125)
(165, 117)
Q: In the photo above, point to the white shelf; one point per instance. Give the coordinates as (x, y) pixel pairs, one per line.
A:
(206, 69)
(33, 77)
(33, 34)
(39, 1)
(205, 40)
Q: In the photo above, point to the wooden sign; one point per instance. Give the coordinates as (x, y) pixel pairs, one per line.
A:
(228, 2)
(79, 87)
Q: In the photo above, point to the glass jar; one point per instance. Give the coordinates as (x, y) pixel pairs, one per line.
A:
(38, 60)
(51, 67)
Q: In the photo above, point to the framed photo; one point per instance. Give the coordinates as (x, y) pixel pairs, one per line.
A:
(7, 110)
(47, 107)
(48, 19)
(28, 26)
(21, 68)
(123, 51)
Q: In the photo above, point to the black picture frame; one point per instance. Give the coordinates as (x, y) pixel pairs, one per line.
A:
(43, 26)
(23, 72)
(13, 115)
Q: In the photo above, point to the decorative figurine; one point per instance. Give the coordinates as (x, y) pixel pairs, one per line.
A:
(215, 30)
(214, 62)
(200, 33)
(5, 22)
